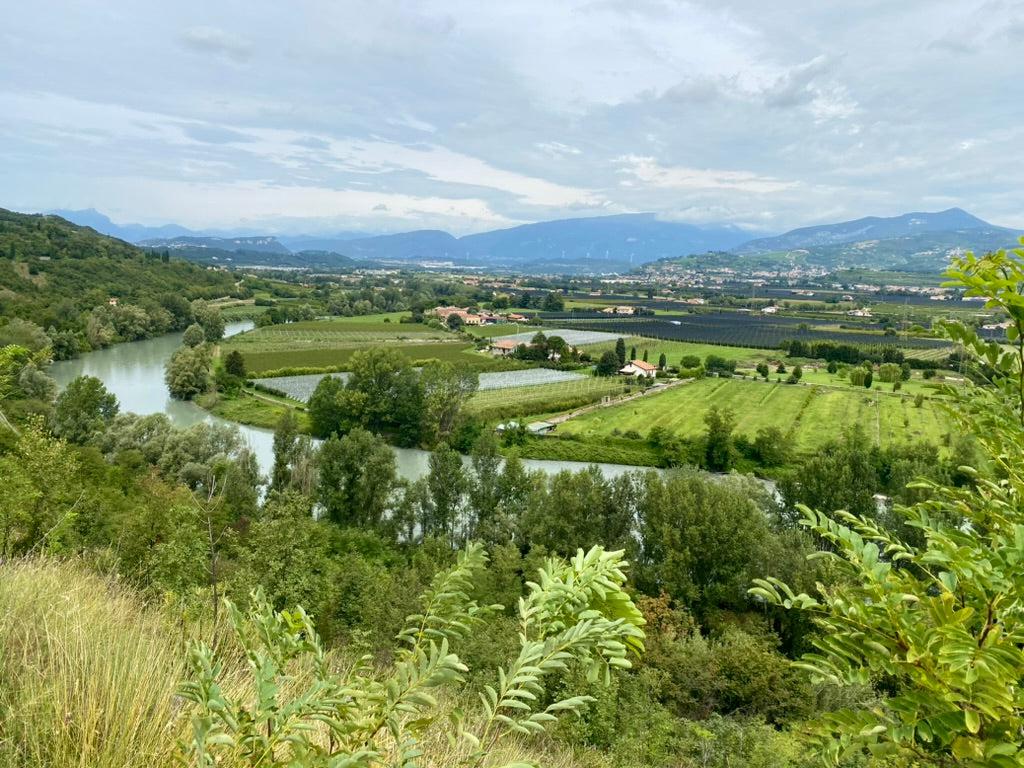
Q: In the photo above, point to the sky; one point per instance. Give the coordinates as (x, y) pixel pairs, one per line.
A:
(389, 115)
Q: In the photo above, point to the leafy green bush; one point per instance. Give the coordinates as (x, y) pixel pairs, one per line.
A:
(304, 713)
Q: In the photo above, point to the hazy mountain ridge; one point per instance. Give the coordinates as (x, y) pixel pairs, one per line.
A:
(917, 241)
(255, 244)
(866, 229)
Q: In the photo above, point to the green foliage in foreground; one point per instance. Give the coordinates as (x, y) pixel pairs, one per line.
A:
(939, 620)
(577, 613)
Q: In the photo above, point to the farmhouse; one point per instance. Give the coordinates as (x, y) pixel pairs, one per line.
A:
(640, 369)
(619, 310)
(502, 347)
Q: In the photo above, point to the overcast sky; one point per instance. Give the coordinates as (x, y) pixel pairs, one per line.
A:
(389, 115)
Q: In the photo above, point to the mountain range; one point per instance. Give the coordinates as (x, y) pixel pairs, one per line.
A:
(921, 241)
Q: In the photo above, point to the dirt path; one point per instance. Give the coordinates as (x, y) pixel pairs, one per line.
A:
(564, 417)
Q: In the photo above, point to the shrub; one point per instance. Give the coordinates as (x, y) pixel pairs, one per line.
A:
(575, 613)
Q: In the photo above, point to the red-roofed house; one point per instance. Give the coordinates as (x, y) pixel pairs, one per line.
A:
(640, 369)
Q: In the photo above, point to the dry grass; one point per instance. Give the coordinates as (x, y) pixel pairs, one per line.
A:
(89, 673)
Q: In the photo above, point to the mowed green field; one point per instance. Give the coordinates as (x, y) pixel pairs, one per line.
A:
(810, 415)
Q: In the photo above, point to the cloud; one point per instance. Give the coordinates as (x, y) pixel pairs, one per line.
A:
(717, 111)
(648, 171)
(216, 42)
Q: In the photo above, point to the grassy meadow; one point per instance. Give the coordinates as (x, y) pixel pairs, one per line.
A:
(810, 415)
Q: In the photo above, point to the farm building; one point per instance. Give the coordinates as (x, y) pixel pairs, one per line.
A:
(640, 369)
(502, 347)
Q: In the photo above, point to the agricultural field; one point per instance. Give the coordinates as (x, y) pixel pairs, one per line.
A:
(529, 377)
(810, 415)
(575, 338)
(297, 387)
(330, 343)
(740, 329)
(259, 360)
(520, 401)
(301, 387)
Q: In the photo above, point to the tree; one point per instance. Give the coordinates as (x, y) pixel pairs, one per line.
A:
(210, 319)
(574, 509)
(832, 366)
(357, 478)
(620, 352)
(389, 394)
(719, 451)
(553, 302)
(632, 353)
(447, 482)
(455, 321)
(187, 373)
(484, 484)
(771, 447)
(662, 362)
(868, 378)
(702, 540)
(446, 389)
(645, 356)
(781, 367)
(84, 408)
(889, 373)
(762, 370)
(689, 361)
(234, 364)
(328, 410)
(193, 336)
(842, 474)
(608, 365)
(286, 435)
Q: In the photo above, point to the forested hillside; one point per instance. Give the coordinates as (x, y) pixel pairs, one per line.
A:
(63, 278)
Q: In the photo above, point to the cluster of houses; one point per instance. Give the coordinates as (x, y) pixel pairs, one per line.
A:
(483, 317)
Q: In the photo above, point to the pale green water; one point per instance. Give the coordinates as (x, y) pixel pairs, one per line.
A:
(135, 374)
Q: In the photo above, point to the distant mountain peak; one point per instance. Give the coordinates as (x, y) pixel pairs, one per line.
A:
(866, 228)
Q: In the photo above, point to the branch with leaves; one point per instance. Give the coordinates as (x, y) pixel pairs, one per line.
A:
(299, 712)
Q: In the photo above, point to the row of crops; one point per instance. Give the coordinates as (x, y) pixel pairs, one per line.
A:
(301, 387)
(740, 330)
(573, 337)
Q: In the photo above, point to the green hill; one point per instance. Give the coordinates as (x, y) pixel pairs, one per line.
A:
(55, 274)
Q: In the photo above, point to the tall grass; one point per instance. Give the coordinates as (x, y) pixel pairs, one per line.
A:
(89, 674)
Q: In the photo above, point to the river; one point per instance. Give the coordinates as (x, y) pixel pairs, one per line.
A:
(134, 372)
